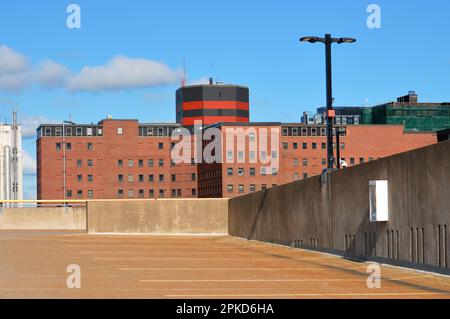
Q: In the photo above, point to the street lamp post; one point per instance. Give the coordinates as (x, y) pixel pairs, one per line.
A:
(328, 40)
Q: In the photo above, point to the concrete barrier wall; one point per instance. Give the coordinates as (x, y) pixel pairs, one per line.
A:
(162, 216)
(333, 214)
(69, 218)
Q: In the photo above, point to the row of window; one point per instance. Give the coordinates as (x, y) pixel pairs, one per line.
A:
(241, 187)
(151, 178)
(175, 192)
(90, 146)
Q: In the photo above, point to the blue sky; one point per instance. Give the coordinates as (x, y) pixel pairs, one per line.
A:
(253, 43)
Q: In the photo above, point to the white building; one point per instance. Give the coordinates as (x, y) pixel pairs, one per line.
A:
(10, 160)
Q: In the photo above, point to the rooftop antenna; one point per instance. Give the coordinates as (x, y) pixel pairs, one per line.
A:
(183, 79)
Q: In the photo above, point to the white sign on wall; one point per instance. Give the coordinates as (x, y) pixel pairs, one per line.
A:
(378, 201)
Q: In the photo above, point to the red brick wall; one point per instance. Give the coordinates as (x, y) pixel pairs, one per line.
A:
(107, 150)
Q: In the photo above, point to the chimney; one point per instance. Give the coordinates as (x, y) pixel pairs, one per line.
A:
(211, 81)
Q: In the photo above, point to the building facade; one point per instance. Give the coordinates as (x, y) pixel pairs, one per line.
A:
(300, 153)
(11, 161)
(111, 159)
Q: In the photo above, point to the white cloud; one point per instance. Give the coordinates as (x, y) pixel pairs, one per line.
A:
(29, 124)
(119, 73)
(11, 61)
(122, 73)
(28, 164)
(51, 74)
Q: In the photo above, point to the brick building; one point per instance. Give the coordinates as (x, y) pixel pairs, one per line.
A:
(128, 159)
(111, 159)
(301, 153)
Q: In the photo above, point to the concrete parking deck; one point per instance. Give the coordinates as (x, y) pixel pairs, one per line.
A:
(33, 265)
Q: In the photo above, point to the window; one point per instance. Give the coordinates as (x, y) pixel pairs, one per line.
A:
(174, 192)
(285, 131)
(58, 146)
(90, 163)
(48, 131)
(304, 145)
(150, 163)
(295, 176)
(130, 178)
(230, 171)
(141, 193)
(352, 160)
(274, 185)
(151, 193)
(69, 193)
(252, 171)
(161, 177)
(252, 187)
(79, 178)
(141, 178)
(79, 162)
(150, 178)
(241, 188)
(79, 193)
(370, 159)
(174, 177)
(120, 193)
(161, 193)
(263, 155)
(90, 178)
(79, 131)
(274, 171)
(324, 146)
(160, 146)
(295, 162)
(240, 171)
(295, 146)
(179, 192)
(194, 192)
(89, 146)
(305, 162)
(119, 131)
(130, 163)
(160, 131)
(305, 175)
(58, 131)
(68, 131)
(161, 163)
(251, 136)
(193, 177)
(89, 131)
(285, 145)
(263, 186)
(361, 160)
(120, 178)
(120, 163)
(314, 146)
(252, 156)
(68, 146)
(130, 193)
(324, 161)
(342, 146)
(240, 156)
(274, 154)
(150, 131)
(90, 193)
(294, 131)
(229, 156)
(141, 163)
(263, 171)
